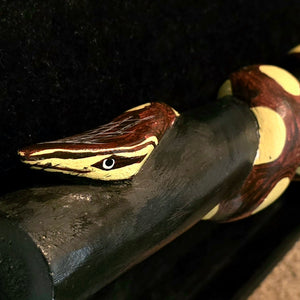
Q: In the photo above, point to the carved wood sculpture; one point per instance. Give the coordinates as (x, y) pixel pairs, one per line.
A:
(164, 173)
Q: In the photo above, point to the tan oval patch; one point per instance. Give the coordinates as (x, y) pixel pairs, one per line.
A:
(211, 213)
(285, 79)
(275, 193)
(177, 114)
(225, 89)
(139, 107)
(295, 50)
(272, 132)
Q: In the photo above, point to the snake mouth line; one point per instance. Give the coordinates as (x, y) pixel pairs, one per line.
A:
(49, 166)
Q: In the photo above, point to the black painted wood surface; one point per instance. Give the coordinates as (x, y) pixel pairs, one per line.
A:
(214, 261)
(98, 232)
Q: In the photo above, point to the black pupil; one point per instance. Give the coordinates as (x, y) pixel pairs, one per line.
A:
(109, 162)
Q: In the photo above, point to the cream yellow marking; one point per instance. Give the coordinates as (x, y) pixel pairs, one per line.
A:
(211, 213)
(225, 89)
(298, 171)
(274, 194)
(285, 79)
(148, 104)
(48, 151)
(139, 107)
(295, 50)
(177, 114)
(85, 164)
(35, 168)
(272, 132)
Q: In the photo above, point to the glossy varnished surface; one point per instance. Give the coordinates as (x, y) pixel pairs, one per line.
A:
(98, 232)
(214, 261)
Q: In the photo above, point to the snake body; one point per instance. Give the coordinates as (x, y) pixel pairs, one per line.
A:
(273, 95)
(119, 149)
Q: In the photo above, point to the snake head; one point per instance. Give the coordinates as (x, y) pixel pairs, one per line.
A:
(114, 151)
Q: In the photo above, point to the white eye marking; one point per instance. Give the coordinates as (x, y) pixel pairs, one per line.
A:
(108, 163)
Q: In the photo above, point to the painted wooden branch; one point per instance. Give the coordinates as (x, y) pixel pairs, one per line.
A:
(164, 173)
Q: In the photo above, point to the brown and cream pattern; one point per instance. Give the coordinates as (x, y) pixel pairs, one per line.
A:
(273, 95)
(114, 151)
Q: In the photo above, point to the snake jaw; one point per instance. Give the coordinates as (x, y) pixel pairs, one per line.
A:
(128, 141)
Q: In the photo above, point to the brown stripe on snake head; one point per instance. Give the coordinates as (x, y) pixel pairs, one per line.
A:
(273, 95)
(133, 135)
(127, 130)
(79, 155)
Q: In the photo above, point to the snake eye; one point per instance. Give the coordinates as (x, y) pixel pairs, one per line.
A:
(117, 162)
(108, 163)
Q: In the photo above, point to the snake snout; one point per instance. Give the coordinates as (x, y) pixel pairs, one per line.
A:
(25, 154)
(28, 154)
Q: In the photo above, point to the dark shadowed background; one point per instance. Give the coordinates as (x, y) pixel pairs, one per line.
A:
(69, 66)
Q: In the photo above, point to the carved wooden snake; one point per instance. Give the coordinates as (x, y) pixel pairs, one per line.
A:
(120, 149)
